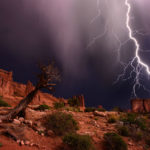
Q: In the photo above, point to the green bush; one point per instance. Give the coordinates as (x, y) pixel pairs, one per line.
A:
(141, 123)
(43, 107)
(78, 142)
(3, 103)
(137, 136)
(113, 141)
(90, 109)
(61, 123)
(59, 105)
(117, 109)
(74, 109)
(123, 130)
(1, 144)
(101, 109)
(131, 118)
(112, 120)
(74, 102)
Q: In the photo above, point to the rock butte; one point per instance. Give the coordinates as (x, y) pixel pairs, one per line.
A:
(140, 105)
(12, 92)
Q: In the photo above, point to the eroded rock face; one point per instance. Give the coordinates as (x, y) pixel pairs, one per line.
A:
(13, 91)
(140, 105)
(137, 105)
(81, 100)
(147, 105)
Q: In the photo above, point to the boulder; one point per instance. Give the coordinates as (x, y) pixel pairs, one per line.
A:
(16, 121)
(105, 114)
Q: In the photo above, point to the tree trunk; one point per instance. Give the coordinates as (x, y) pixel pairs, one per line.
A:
(20, 107)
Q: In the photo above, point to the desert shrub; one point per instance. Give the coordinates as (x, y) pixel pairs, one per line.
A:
(3, 103)
(59, 105)
(117, 109)
(131, 118)
(74, 102)
(123, 130)
(74, 109)
(141, 123)
(137, 136)
(78, 142)
(113, 141)
(112, 119)
(61, 123)
(1, 144)
(128, 118)
(101, 109)
(96, 118)
(90, 109)
(43, 107)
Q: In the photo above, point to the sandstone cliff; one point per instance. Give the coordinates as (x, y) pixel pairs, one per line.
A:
(13, 92)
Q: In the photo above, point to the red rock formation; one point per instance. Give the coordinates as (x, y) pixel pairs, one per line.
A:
(137, 105)
(6, 75)
(13, 92)
(81, 100)
(140, 105)
(146, 104)
(5, 83)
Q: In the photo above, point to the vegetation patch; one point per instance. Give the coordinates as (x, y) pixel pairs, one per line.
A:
(123, 130)
(43, 107)
(1, 144)
(59, 105)
(92, 109)
(3, 103)
(112, 120)
(61, 123)
(113, 141)
(78, 142)
(74, 102)
(117, 109)
(132, 118)
(74, 109)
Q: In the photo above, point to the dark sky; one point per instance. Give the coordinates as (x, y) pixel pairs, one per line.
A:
(35, 30)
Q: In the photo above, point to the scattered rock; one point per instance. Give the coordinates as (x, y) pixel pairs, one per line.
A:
(22, 142)
(31, 144)
(21, 119)
(50, 133)
(34, 115)
(94, 123)
(27, 142)
(104, 114)
(42, 134)
(17, 122)
(131, 144)
(18, 141)
(29, 122)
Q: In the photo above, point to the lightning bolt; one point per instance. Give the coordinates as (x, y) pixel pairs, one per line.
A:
(134, 39)
(136, 64)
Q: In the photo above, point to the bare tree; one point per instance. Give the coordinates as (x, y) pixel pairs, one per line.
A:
(48, 77)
